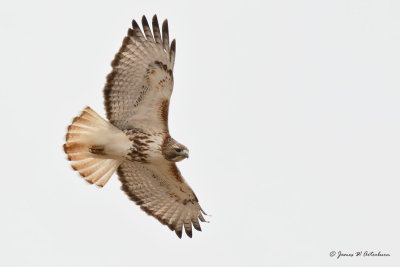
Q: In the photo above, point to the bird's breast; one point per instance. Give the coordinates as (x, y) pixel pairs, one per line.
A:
(145, 147)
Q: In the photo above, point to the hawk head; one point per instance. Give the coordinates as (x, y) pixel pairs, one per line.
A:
(174, 151)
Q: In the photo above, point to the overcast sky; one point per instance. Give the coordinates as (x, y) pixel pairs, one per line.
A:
(290, 110)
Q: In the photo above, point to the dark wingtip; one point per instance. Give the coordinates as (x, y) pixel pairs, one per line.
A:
(155, 22)
(165, 25)
(144, 21)
(173, 45)
(134, 24)
(202, 218)
(172, 51)
(179, 233)
(156, 30)
(130, 32)
(189, 233)
(165, 35)
(197, 227)
(155, 19)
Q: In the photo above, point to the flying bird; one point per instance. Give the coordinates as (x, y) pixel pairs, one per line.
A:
(135, 141)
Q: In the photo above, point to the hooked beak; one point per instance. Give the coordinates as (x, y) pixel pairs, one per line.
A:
(186, 153)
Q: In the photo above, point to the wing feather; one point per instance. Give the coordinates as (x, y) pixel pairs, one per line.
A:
(172, 52)
(161, 194)
(165, 35)
(187, 223)
(174, 215)
(196, 224)
(146, 29)
(178, 225)
(141, 79)
(156, 30)
(201, 217)
(137, 32)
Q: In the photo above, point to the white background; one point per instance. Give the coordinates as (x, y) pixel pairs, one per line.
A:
(290, 110)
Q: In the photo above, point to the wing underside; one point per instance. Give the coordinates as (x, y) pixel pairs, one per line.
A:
(141, 80)
(162, 193)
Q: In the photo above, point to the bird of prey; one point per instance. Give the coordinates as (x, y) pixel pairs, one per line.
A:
(135, 141)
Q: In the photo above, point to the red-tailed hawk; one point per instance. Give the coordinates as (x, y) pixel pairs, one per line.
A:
(135, 142)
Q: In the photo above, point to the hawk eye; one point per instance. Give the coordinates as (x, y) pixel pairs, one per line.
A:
(178, 150)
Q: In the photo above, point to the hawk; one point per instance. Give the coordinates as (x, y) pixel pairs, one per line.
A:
(135, 141)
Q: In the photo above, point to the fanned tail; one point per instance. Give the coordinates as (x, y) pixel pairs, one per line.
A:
(89, 146)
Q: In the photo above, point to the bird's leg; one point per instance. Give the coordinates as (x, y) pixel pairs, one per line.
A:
(97, 149)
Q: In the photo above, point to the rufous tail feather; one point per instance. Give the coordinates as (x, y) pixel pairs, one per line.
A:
(86, 147)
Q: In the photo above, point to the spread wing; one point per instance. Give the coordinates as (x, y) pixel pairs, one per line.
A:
(139, 87)
(161, 192)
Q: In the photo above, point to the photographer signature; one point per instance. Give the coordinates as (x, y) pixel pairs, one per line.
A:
(339, 254)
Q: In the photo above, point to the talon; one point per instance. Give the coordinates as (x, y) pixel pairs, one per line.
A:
(96, 149)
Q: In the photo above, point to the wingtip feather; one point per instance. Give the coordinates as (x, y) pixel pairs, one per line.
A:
(188, 232)
(165, 35)
(179, 233)
(156, 30)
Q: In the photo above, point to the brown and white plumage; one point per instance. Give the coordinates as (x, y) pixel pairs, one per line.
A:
(136, 140)
(161, 192)
(141, 79)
